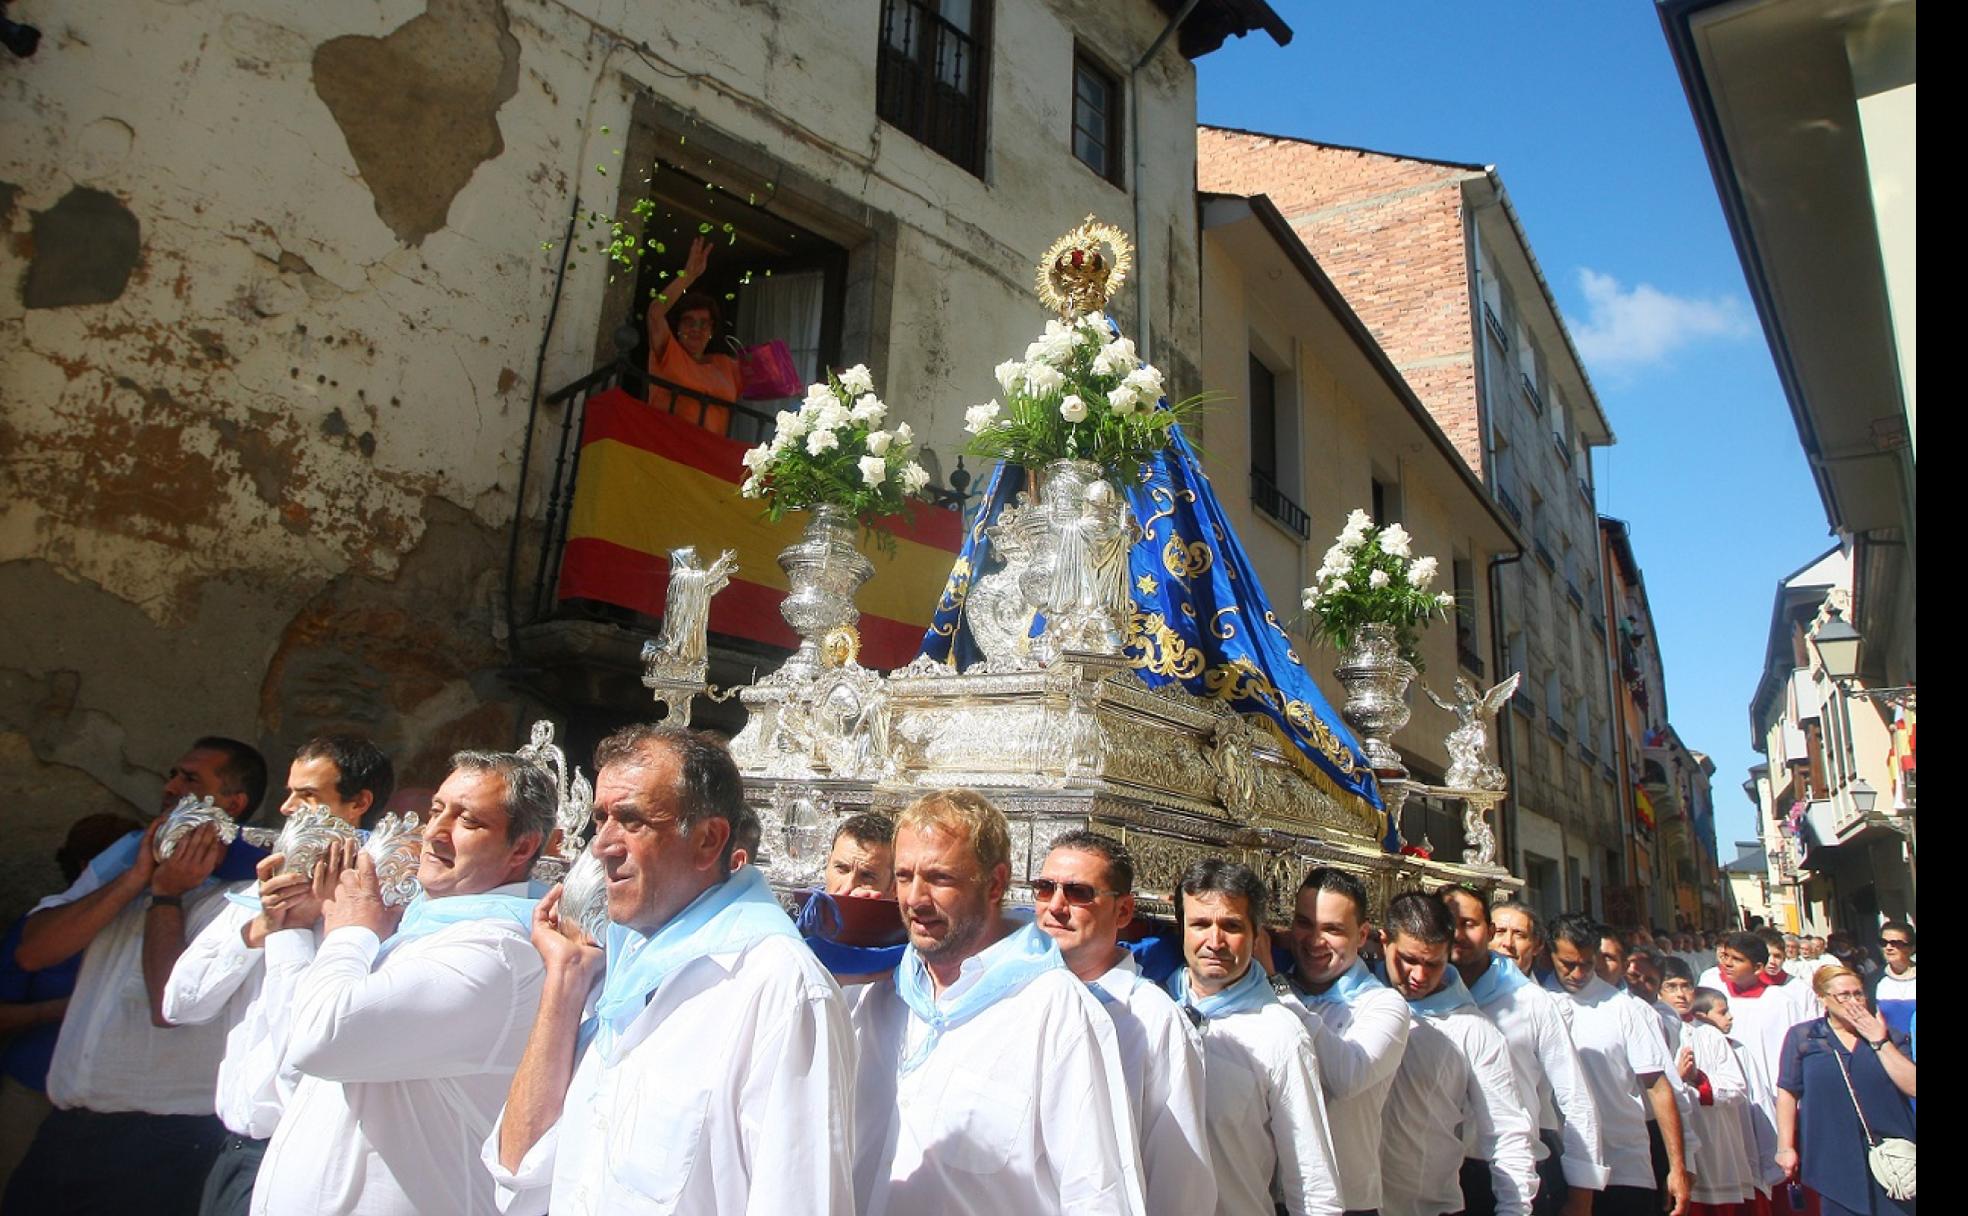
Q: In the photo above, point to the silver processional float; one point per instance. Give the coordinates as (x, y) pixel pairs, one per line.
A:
(1091, 663)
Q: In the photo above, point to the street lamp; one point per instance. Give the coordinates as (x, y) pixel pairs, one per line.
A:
(1837, 645)
(1863, 796)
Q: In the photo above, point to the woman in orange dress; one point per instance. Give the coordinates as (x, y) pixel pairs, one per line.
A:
(679, 350)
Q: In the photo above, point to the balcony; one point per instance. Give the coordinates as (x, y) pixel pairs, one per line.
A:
(1564, 449)
(1268, 498)
(1556, 729)
(1585, 491)
(1495, 326)
(1609, 774)
(1599, 626)
(1544, 554)
(1586, 754)
(1522, 704)
(1531, 394)
(1510, 505)
(1573, 594)
(1468, 659)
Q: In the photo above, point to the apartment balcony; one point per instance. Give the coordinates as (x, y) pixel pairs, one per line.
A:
(1269, 499)
(1531, 394)
(1510, 505)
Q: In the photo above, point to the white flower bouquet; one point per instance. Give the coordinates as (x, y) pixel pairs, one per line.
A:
(1080, 393)
(1371, 577)
(834, 451)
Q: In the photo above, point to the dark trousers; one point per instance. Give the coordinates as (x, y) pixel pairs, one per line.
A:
(1627, 1201)
(1553, 1190)
(229, 1187)
(1478, 1190)
(85, 1163)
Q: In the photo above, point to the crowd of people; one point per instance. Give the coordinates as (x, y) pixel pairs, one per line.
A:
(242, 1039)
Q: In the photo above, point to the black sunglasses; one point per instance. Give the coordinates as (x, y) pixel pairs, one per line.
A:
(1895, 943)
(1076, 892)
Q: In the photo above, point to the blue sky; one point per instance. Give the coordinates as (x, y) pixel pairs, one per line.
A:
(1581, 111)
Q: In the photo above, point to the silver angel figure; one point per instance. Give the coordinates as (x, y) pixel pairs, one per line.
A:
(687, 608)
(1468, 743)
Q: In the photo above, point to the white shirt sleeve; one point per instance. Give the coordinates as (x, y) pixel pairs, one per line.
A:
(211, 969)
(525, 1191)
(807, 1073)
(440, 1012)
(1584, 1158)
(1366, 1054)
(1082, 1117)
(1174, 1141)
(1717, 1060)
(1646, 1047)
(1503, 1126)
(1307, 1174)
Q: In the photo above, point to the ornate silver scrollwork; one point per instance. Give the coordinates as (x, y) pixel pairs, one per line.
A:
(306, 836)
(584, 896)
(190, 814)
(396, 846)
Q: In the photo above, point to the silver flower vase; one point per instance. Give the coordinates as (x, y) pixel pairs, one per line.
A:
(1078, 578)
(824, 570)
(1376, 679)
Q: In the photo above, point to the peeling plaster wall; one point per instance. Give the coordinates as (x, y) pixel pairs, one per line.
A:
(271, 299)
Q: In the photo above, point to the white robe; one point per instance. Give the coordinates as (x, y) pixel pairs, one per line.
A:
(217, 969)
(1619, 1040)
(1455, 1095)
(1022, 1108)
(1162, 1059)
(1358, 1046)
(1534, 1023)
(1759, 1119)
(732, 1093)
(1720, 1162)
(404, 1065)
(109, 1056)
(1761, 1022)
(1267, 1116)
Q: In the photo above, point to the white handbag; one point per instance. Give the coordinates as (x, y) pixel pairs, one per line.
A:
(1890, 1159)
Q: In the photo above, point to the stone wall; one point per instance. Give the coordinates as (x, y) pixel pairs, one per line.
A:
(277, 310)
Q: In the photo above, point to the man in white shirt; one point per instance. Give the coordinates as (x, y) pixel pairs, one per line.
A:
(1550, 1079)
(1266, 1111)
(861, 860)
(1358, 1025)
(133, 1104)
(1762, 1015)
(1455, 1084)
(405, 1041)
(348, 775)
(989, 1079)
(718, 1076)
(1894, 991)
(1626, 1065)
(1084, 894)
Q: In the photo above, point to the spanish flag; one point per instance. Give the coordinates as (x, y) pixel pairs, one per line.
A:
(649, 482)
(1643, 807)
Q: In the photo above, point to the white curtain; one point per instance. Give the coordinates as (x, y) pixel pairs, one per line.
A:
(787, 307)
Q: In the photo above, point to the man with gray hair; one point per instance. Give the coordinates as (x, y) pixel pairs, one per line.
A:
(715, 1073)
(406, 1034)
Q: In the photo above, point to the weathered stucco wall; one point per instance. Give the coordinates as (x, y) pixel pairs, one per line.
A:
(271, 303)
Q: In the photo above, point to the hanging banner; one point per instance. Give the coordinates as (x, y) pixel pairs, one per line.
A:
(649, 483)
(1643, 807)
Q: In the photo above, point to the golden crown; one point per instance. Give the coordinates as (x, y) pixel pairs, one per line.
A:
(1083, 269)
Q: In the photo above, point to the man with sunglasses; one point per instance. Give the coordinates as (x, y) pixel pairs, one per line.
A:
(1894, 991)
(1083, 895)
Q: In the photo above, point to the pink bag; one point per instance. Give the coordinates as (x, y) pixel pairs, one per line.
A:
(769, 372)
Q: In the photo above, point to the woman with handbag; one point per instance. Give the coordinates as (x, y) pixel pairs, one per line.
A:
(1844, 1125)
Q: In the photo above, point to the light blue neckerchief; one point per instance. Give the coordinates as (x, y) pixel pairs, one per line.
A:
(1021, 957)
(1445, 1000)
(1251, 991)
(424, 916)
(730, 916)
(1345, 990)
(249, 897)
(1500, 980)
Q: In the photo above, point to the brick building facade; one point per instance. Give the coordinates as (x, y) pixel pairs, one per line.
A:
(1432, 257)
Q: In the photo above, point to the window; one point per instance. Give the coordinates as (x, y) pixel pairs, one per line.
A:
(1263, 420)
(1464, 574)
(1096, 118)
(932, 76)
(1386, 502)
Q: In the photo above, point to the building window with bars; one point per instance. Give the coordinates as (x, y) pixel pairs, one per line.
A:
(933, 77)
(1096, 117)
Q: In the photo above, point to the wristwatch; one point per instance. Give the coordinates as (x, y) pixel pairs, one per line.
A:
(1879, 1046)
(167, 901)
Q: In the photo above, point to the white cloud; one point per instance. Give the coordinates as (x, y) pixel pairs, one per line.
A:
(1624, 328)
